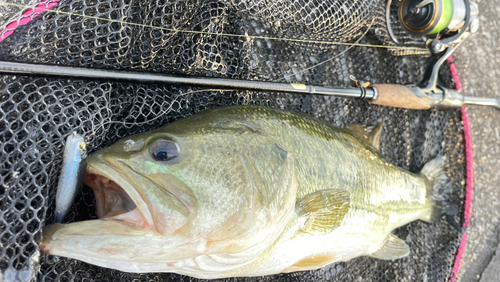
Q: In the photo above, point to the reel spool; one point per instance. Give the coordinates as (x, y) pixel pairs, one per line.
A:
(432, 17)
(442, 21)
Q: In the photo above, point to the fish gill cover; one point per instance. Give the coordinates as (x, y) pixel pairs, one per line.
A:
(37, 113)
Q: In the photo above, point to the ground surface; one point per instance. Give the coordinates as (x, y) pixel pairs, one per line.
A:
(478, 63)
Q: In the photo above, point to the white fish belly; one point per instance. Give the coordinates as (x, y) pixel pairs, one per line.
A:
(360, 234)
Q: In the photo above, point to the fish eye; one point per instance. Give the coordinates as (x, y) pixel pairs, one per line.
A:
(164, 150)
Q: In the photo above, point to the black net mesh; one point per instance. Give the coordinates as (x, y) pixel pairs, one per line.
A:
(37, 113)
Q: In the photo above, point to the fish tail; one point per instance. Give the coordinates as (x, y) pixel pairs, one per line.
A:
(436, 192)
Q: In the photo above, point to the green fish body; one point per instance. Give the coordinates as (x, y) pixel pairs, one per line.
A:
(245, 191)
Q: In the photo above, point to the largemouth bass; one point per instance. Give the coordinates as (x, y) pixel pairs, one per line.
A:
(245, 191)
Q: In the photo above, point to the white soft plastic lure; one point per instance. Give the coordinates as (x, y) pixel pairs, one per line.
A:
(73, 169)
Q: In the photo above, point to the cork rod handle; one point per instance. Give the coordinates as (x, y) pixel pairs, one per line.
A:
(398, 96)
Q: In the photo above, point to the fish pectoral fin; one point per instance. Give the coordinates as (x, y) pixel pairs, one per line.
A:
(370, 133)
(323, 210)
(311, 263)
(393, 248)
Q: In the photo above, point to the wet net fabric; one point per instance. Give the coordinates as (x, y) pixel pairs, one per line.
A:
(37, 113)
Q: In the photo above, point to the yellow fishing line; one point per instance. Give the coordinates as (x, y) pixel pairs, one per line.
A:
(220, 34)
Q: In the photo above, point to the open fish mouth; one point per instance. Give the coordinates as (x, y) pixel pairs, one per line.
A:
(122, 212)
(115, 197)
(126, 227)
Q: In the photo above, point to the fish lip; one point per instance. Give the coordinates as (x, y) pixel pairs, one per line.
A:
(124, 184)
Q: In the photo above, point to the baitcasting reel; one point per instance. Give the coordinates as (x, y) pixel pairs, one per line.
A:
(443, 22)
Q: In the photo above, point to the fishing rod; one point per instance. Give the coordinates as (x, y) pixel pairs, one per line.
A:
(423, 97)
(427, 94)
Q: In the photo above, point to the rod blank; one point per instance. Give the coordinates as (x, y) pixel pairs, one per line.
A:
(23, 68)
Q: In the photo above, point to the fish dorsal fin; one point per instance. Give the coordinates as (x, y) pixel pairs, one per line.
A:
(311, 263)
(324, 210)
(371, 134)
(393, 248)
(374, 136)
(356, 129)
